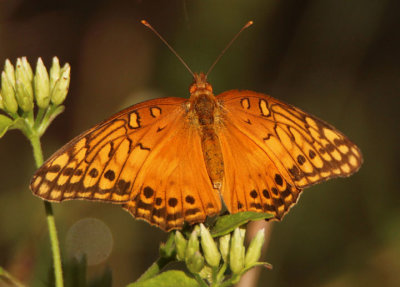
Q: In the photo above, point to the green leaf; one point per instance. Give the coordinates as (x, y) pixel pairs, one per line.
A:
(172, 278)
(227, 223)
(263, 264)
(5, 124)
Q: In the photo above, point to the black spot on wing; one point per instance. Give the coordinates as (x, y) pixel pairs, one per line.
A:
(189, 199)
(301, 159)
(172, 202)
(278, 179)
(148, 192)
(253, 193)
(94, 172)
(110, 175)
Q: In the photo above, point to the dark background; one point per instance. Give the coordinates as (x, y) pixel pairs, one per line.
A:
(336, 59)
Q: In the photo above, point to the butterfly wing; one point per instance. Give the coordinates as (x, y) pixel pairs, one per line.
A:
(131, 158)
(273, 150)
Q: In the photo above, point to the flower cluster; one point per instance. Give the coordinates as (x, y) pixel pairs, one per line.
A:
(216, 262)
(20, 88)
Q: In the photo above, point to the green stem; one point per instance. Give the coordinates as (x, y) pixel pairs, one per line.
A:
(55, 246)
(220, 275)
(214, 275)
(233, 280)
(199, 280)
(8, 277)
(48, 117)
(37, 149)
(39, 117)
(45, 121)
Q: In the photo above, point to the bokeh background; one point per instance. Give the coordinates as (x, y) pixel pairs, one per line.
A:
(338, 60)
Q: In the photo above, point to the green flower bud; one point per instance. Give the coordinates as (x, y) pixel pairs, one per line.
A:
(195, 263)
(236, 254)
(10, 73)
(196, 229)
(42, 85)
(193, 245)
(254, 250)
(210, 249)
(224, 242)
(27, 68)
(8, 94)
(23, 86)
(54, 73)
(24, 97)
(60, 90)
(64, 68)
(1, 102)
(181, 244)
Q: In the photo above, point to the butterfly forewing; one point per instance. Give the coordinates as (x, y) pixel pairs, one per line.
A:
(101, 162)
(308, 148)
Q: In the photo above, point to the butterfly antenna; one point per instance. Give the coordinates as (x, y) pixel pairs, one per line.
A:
(147, 24)
(247, 25)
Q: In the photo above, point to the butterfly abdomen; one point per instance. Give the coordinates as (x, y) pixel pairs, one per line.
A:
(204, 110)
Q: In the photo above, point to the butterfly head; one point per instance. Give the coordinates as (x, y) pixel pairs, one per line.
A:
(200, 85)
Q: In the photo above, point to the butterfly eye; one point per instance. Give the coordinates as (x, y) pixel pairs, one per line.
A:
(193, 88)
(209, 87)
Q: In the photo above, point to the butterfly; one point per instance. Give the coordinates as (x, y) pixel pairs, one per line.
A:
(173, 160)
(170, 160)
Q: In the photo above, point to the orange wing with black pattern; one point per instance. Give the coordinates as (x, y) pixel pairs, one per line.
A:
(273, 150)
(146, 157)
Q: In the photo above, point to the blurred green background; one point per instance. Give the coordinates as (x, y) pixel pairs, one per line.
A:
(338, 60)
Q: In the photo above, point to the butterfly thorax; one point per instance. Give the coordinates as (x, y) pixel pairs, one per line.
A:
(204, 109)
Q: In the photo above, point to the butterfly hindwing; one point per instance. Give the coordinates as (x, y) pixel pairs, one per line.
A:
(253, 180)
(173, 183)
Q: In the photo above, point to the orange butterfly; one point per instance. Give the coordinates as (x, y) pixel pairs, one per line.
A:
(171, 160)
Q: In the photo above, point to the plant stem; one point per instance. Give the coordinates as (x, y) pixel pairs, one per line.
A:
(5, 275)
(39, 117)
(220, 275)
(55, 246)
(233, 280)
(214, 276)
(199, 280)
(37, 149)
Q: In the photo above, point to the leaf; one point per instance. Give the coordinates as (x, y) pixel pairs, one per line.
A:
(227, 223)
(5, 124)
(266, 265)
(172, 278)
